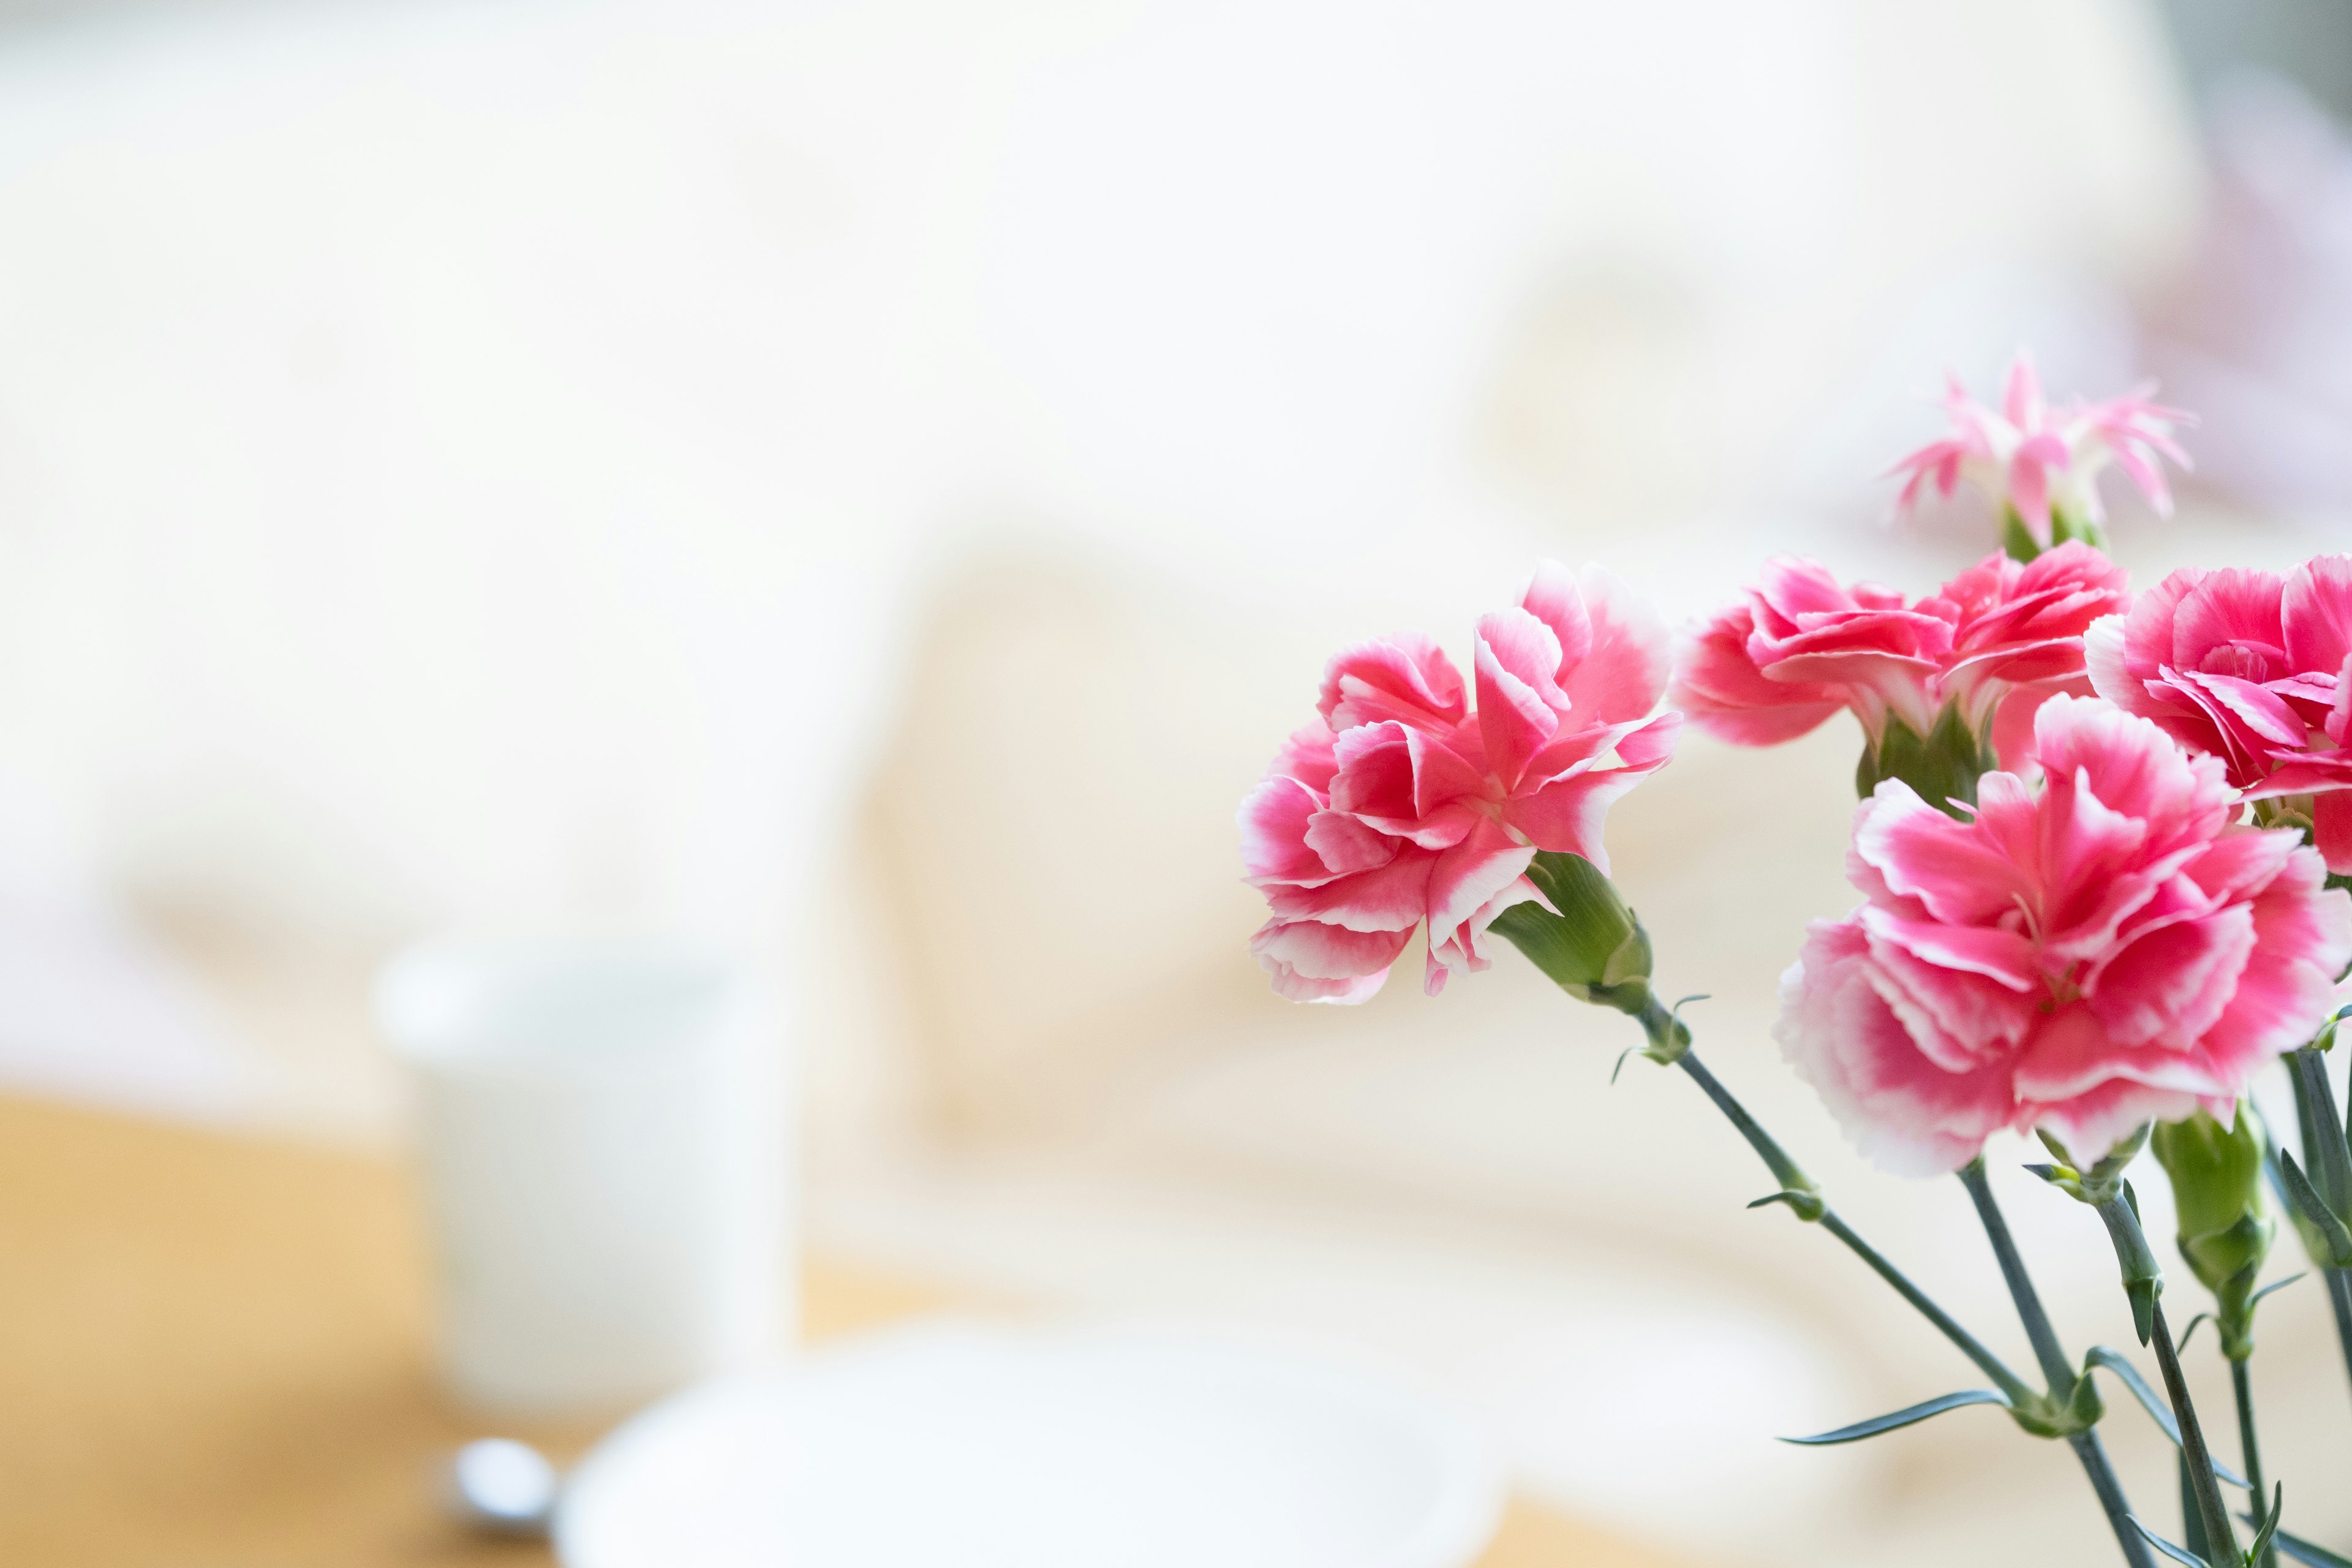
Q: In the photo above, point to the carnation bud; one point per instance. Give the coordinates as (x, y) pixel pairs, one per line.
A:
(2225, 1226)
(1589, 941)
(1942, 765)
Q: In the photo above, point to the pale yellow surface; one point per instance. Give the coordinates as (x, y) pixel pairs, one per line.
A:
(212, 1353)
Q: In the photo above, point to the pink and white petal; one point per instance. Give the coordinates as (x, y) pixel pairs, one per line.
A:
(2331, 830)
(1716, 683)
(1346, 845)
(1405, 677)
(2234, 603)
(2316, 610)
(1307, 756)
(2147, 646)
(2093, 1122)
(1473, 872)
(1554, 598)
(1906, 1114)
(2305, 773)
(1961, 1020)
(2103, 660)
(1567, 815)
(1955, 871)
(1625, 671)
(2243, 862)
(1274, 819)
(2005, 958)
(1393, 897)
(2170, 986)
(1516, 716)
(1313, 963)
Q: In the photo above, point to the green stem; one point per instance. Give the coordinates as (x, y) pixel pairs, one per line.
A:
(1794, 1182)
(1784, 1170)
(2055, 1366)
(2132, 1251)
(2250, 1453)
(2112, 1501)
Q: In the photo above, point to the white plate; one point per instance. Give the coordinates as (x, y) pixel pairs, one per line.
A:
(959, 1447)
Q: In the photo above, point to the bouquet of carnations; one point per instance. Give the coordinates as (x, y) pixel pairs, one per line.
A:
(2101, 851)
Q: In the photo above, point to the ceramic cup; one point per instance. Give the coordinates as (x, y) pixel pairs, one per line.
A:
(600, 1139)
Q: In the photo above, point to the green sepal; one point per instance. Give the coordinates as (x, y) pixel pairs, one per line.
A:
(1942, 766)
(2015, 537)
(1907, 1417)
(1588, 943)
(2065, 528)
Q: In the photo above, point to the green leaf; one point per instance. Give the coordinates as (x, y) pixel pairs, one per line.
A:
(2307, 1552)
(2178, 1553)
(1904, 1417)
(2315, 1212)
(2270, 1526)
(2151, 1401)
(2273, 1285)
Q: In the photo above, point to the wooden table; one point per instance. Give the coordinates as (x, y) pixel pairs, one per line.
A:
(213, 1355)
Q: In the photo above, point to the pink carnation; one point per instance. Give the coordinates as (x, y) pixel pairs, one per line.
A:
(2254, 670)
(2104, 953)
(1401, 807)
(2038, 458)
(2003, 635)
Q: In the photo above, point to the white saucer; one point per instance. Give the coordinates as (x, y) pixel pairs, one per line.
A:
(961, 1447)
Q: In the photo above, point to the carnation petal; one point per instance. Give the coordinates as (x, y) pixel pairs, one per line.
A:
(1405, 677)
(1624, 672)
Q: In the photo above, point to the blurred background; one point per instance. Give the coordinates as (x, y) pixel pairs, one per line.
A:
(868, 485)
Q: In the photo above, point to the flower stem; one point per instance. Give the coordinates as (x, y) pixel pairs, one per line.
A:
(1796, 1183)
(2112, 1501)
(2146, 1289)
(2219, 1535)
(1784, 1170)
(2055, 1366)
(2250, 1453)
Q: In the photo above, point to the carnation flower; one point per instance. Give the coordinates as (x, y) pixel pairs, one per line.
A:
(1401, 807)
(2043, 464)
(2252, 668)
(2085, 959)
(1970, 663)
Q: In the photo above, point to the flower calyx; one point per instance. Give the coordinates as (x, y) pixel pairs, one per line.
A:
(2017, 540)
(1942, 765)
(1587, 940)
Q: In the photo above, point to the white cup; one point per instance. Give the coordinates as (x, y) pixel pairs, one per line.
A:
(601, 1132)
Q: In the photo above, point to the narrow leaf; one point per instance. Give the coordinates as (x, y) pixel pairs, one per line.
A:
(2273, 1285)
(2178, 1553)
(2313, 1207)
(2270, 1526)
(2305, 1552)
(2153, 1402)
(1905, 1417)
